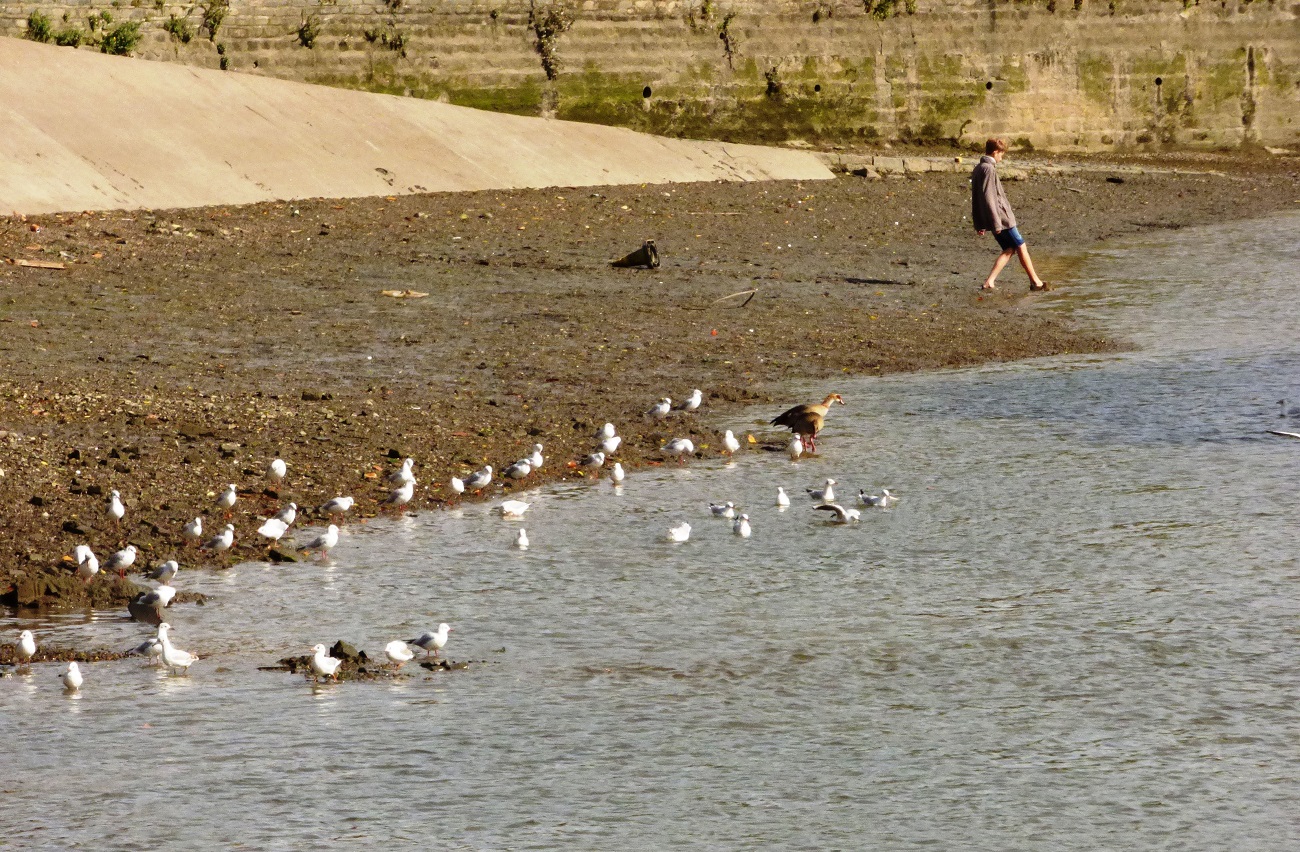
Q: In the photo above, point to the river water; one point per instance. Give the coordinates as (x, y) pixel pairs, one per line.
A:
(1076, 630)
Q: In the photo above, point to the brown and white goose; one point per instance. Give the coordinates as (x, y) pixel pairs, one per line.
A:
(806, 420)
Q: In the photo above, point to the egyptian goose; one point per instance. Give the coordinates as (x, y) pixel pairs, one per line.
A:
(806, 420)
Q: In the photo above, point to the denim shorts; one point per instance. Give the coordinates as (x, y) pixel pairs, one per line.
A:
(1009, 239)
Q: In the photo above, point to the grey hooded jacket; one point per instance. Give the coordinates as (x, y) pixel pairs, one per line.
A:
(989, 208)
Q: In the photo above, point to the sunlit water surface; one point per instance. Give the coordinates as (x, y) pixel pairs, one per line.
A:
(1077, 630)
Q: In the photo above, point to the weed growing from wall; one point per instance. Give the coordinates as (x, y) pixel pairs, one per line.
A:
(730, 42)
(213, 15)
(122, 39)
(548, 23)
(884, 9)
(308, 30)
(180, 29)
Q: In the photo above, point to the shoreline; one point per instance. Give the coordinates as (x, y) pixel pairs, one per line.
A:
(178, 351)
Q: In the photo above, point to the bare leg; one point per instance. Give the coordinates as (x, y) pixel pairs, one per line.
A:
(1023, 252)
(998, 266)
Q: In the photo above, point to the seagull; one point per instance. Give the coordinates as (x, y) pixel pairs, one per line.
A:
(402, 475)
(825, 494)
(616, 474)
(535, 459)
(660, 409)
(272, 528)
(87, 562)
(693, 401)
(782, 499)
(288, 514)
(479, 479)
(514, 508)
(595, 461)
(611, 444)
(729, 443)
(323, 664)
(150, 648)
(164, 594)
(795, 448)
(222, 541)
(226, 501)
(323, 542)
(457, 485)
(164, 572)
(121, 560)
(193, 531)
(432, 641)
(521, 540)
(72, 679)
(400, 496)
(173, 657)
(26, 646)
(398, 652)
(681, 532)
(276, 470)
(518, 470)
(741, 526)
(680, 447)
(877, 501)
(842, 515)
(723, 510)
(606, 431)
(337, 506)
(115, 508)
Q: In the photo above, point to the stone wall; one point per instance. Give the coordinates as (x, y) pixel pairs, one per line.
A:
(1042, 73)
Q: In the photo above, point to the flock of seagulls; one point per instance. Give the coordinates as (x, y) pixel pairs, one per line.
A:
(804, 421)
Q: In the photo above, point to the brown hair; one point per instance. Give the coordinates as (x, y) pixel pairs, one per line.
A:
(994, 145)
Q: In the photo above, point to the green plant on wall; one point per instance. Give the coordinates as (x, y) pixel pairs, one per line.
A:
(308, 30)
(39, 28)
(180, 29)
(122, 39)
(548, 23)
(884, 9)
(214, 14)
(730, 41)
(70, 37)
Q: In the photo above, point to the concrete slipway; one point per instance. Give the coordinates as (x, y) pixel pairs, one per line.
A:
(86, 131)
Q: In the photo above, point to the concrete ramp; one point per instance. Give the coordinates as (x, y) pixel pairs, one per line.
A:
(86, 131)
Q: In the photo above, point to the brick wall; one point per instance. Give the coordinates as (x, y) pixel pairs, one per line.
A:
(1127, 75)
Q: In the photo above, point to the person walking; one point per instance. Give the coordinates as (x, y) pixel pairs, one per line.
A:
(991, 211)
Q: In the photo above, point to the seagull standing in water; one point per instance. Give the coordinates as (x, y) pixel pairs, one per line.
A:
(323, 664)
(174, 658)
(323, 542)
(680, 533)
(741, 526)
(730, 443)
(26, 647)
(398, 652)
(514, 508)
(825, 494)
(521, 540)
(115, 508)
(782, 499)
(150, 648)
(72, 679)
(794, 449)
(432, 642)
(616, 474)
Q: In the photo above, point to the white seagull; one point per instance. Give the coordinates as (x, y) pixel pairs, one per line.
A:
(288, 514)
(842, 515)
(276, 470)
(26, 646)
(693, 401)
(457, 485)
(226, 500)
(741, 526)
(595, 461)
(398, 652)
(518, 470)
(174, 658)
(323, 664)
(730, 443)
(400, 495)
(272, 528)
(794, 449)
(514, 508)
(782, 499)
(337, 506)
(121, 560)
(606, 431)
(535, 459)
(479, 479)
(163, 594)
(323, 542)
(610, 445)
(521, 540)
(150, 648)
(723, 510)
(404, 474)
(71, 676)
(432, 642)
(222, 541)
(616, 474)
(883, 500)
(193, 531)
(87, 562)
(660, 409)
(680, 447)
(825, 494)
(164, 572)
(115, 508)
(681, 532)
